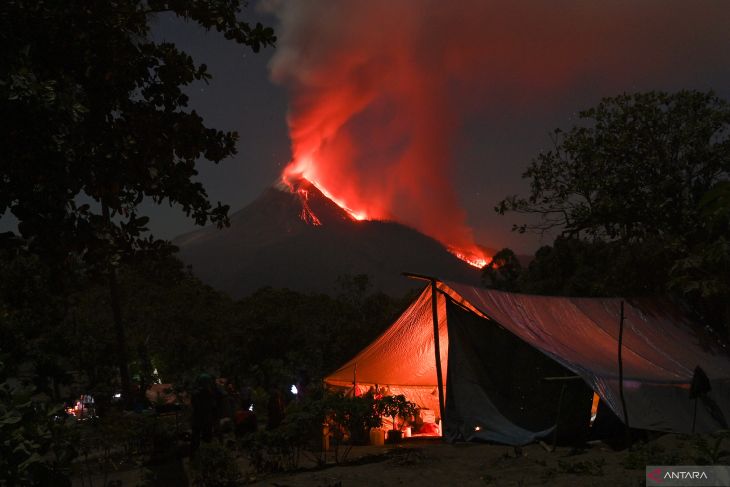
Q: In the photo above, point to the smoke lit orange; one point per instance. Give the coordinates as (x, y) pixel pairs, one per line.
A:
(379, 89)
(302, 171)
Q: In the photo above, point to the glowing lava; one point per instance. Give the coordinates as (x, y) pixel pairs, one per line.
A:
(293, 180)
(371, 122)
(380, 91)
(297, 176)
(477, 260)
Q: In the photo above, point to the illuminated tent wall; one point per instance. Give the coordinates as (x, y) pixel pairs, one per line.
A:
(403, 358)
(497, 348)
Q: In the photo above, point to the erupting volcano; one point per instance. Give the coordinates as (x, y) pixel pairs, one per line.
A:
(370, 120)
(297, 178)
(294, 236)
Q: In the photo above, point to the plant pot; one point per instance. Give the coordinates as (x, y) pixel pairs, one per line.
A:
(395, 436)
(377, 437)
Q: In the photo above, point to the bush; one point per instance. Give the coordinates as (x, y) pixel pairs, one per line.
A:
(273, 451)
(280, 449)
(214, 466)
(396, 407)
(346, 419)
(35, 443)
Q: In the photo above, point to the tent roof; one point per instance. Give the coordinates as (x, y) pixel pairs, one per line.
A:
(661, 349)
(660, 344)
(404, 355)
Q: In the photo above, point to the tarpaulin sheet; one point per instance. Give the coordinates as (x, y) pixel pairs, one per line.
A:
(403, 359)
(661, 349)
(496, 387)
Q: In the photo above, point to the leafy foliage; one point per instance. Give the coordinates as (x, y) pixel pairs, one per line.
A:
(214, 466)
(638, 169)
(30, 313)
(503, 271)
(640, 194)
(98, 123)
(575, 267)
(36, 448)
(98, 111)
(397, 406)
(346, 420)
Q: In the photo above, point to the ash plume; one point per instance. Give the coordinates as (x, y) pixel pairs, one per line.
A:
(379, 89)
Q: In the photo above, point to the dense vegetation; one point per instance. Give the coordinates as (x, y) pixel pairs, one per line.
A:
(639, 195)
(99, 123)
(176, 327)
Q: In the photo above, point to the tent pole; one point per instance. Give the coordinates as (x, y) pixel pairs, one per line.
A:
(437, 349)
(354, 381)
(557, 416)
(436, 345)
(621, 376)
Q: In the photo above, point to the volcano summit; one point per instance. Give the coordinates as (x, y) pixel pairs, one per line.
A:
(293, 236)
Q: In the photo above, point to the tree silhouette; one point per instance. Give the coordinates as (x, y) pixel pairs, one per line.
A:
(96, 121)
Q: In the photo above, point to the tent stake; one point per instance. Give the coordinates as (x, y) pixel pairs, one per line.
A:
(621, 377)
(437, 349)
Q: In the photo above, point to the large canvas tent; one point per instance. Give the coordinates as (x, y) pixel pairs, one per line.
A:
(497, 349)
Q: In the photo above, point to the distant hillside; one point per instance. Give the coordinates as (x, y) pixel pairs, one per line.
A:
(303, 241)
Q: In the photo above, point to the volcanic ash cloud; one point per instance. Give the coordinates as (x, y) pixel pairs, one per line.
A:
(378, 89)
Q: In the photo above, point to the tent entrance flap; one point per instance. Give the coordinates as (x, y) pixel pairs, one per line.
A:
(496, 387)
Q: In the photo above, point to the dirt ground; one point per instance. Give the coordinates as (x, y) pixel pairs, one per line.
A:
(434, 463)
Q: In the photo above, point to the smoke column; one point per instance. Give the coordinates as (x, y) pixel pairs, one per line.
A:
(378, 88)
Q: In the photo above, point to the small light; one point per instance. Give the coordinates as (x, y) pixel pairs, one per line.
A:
(477, 428)
(118, 395)
(250, 408)
(294, 389)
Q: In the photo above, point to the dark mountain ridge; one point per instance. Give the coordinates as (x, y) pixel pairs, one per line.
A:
(297, 238)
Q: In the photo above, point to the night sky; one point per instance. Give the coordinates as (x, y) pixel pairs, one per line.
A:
(511, 75)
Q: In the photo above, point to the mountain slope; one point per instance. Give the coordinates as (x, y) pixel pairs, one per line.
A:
(299, 239)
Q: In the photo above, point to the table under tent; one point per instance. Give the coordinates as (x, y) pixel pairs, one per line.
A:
(514, 366)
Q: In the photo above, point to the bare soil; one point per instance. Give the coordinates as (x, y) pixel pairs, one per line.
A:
(436, 463)
(471, 464)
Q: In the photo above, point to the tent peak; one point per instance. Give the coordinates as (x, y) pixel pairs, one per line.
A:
(421, 277)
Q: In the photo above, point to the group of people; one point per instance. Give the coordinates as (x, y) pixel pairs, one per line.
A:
(219, 407)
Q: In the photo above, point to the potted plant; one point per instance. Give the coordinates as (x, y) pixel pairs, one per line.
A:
(353, 416)
(362, 415)
(396, 407)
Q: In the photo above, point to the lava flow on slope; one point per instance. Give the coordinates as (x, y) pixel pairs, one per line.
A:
(296, 183)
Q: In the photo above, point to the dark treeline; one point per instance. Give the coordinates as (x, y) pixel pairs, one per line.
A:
(639, 195)
(177, 327)
(59, 342)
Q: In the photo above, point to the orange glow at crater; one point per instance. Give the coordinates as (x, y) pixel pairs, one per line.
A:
(298, 171)
(305, 169)
(369, 120)
(382, 94)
